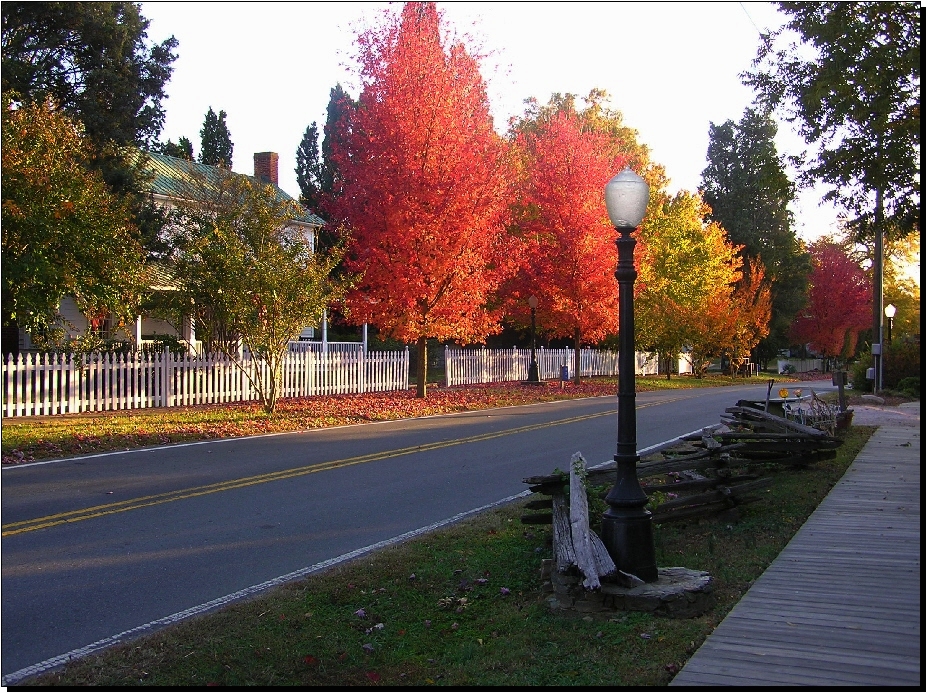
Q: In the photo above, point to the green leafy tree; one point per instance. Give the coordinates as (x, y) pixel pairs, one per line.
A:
(687, 270)
(849, 75)
(308, 168)
(182, 149)
(64, 232)
(215, 140)
(94, 61)
(248, 272)
(748, 191)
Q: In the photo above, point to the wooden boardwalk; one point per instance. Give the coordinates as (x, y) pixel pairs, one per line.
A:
(841, 605)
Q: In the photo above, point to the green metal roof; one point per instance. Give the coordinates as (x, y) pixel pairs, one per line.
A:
(173, 177)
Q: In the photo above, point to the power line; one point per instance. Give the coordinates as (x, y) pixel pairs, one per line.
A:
(751, 19)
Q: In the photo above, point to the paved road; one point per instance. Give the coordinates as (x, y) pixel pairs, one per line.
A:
(97, 546)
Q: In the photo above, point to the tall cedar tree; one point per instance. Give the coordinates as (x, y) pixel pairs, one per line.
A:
(839, 302)
(64, 232)
(215, 140)
(423, 189)
(340, 107)
(182, 149)
(748, 191)
(569, 244)
(308, 168)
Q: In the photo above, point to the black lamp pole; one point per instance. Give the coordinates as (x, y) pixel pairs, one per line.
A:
(627, 527)
(533, 376)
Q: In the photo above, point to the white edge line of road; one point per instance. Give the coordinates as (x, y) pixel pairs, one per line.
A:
(60, 660)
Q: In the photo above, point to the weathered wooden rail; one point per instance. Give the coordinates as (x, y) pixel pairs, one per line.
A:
(715, 471)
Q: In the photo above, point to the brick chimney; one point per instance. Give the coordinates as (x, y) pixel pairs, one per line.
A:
(265, 167)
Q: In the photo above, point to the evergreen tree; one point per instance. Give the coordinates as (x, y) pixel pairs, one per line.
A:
(215, 141)
(746, 186)
(339, 109)
(183, 149)
(94, 61)
(308, 167)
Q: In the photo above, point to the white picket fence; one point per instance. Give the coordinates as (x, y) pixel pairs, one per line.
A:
(36, 384)
(472, 366)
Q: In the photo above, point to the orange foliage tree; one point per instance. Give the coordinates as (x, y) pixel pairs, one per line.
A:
(568, 243)
(687, 269)
(751, 310)
(839, 302)
(423, 186)
(565, 157)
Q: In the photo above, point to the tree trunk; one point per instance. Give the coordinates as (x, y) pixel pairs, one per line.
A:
(422, 366)
(577, 334)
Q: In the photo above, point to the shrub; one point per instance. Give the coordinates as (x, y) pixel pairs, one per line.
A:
(910, 386)
(902, 360)
(160, 342)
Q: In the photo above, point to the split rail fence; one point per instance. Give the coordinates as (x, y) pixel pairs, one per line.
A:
(473, 366)
(44, 384)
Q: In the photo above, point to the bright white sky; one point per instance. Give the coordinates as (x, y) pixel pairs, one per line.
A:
(671, 68)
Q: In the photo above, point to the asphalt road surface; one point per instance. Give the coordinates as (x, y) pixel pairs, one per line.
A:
(110, 546)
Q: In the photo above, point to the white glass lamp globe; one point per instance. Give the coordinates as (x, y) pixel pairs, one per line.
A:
(626, 197)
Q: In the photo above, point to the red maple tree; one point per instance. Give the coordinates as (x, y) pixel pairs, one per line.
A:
(568, 241)
(423, 189)
(839, 302)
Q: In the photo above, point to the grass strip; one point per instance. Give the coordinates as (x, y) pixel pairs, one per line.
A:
(463, 606)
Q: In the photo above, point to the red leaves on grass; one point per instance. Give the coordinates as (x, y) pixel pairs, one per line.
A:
(296, 414)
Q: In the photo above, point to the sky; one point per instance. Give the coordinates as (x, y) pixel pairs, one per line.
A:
(671, 69)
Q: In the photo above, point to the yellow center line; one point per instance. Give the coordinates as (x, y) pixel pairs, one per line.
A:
(80, 515)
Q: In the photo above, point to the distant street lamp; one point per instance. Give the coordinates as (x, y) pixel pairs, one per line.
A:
(627, 527)
(533, 368)
(890, 314)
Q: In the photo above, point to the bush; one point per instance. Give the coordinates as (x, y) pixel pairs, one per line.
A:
(902, 360)
(910, 386)
(160, 342)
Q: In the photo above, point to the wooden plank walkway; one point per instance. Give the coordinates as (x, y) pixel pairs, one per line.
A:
(841, 605)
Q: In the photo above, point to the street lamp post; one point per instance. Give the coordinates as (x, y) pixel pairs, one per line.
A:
(890, 314)
(533, 376)
(627, 527)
